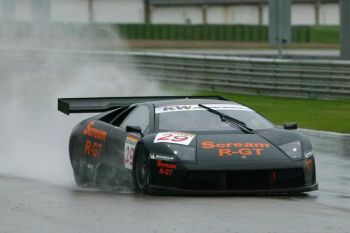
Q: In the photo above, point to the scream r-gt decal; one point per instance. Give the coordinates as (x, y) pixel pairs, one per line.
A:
(175, 138)
(129, 150)
(165, 169)
(95, 140)
(235, 148)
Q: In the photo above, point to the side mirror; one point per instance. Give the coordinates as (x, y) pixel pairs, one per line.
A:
(134, 129)
(290, 126)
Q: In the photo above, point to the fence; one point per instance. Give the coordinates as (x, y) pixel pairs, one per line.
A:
(292, 78)
(277, 77)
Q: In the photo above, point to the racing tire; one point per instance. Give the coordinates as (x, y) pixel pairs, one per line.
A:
(104, 176)
(141, 170)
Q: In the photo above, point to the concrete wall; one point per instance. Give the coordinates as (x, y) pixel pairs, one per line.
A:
(216, 15)
(70, 11)
(121, 11)
(181, 15)
(303, 14)
(329, 14)
(245, 15)
(108, 11)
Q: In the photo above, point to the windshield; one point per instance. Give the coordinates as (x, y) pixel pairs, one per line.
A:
(195, 118)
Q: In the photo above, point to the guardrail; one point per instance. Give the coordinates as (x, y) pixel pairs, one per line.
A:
(280, 77)
(327, 79)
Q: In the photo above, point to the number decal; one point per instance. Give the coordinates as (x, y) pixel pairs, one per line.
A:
(179, 138)
(165, 137)
(129, 155)
(129, 150)
(175, 137)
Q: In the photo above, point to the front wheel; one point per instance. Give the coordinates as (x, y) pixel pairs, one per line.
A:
(141, 170)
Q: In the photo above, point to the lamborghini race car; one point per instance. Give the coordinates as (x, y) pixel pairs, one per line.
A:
(186, 145)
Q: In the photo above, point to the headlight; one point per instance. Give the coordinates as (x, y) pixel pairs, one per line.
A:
(292, 149)
(183, 153)
(308, 154)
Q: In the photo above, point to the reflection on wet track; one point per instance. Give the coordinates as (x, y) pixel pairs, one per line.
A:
(333, 168)
(33, 206)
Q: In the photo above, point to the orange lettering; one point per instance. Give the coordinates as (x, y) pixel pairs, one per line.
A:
(96, 150)
(165, 165)
(166, 172)
(95, 133)
(257, 151)
(245, 151)
(223, 152)
(87, 147)
(261, 145)
(220, 145)
(208, 145)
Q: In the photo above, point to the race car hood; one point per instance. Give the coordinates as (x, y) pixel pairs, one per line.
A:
(236, 147)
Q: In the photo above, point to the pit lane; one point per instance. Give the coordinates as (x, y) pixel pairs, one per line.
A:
(28, 205)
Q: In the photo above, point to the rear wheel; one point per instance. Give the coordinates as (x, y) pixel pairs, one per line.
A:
(141, 170)
(104, 176)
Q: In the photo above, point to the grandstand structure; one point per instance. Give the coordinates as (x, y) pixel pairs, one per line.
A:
(254, 12)
(304, 12)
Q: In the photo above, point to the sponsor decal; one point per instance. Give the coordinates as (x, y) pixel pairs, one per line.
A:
(93, 148)
(92, 132)
(96, 138)
(162, 157)
(227, 149)
(165, 169)
(129, 150)
(175, 138)
(195, 107)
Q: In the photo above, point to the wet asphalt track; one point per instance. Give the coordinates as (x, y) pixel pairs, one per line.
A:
(34, 206)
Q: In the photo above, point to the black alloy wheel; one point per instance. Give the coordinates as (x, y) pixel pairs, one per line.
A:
(141, 170)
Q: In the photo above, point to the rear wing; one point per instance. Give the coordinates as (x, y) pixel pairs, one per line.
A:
(102, 104)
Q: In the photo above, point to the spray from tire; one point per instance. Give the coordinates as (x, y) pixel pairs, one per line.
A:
(46, 63)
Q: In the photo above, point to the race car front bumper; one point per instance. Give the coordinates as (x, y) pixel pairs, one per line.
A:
(261, 178)
(176, 191)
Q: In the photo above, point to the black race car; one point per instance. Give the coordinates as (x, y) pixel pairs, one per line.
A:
(186, 145)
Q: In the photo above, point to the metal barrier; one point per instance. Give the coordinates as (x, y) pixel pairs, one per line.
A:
(324, 79)
(280, 77)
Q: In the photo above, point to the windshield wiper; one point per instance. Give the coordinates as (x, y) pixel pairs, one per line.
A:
(229, 120)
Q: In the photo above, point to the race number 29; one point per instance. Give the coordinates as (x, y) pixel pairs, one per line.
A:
(129, 156)
(175, 138)
(129, 150)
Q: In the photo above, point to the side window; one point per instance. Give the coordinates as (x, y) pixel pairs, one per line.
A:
(140, 116)
(120, 118)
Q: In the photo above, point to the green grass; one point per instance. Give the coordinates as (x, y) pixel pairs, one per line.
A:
(329, 115)
(324, 34)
